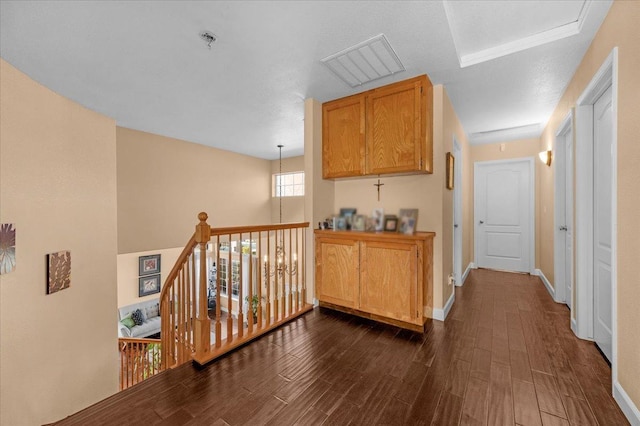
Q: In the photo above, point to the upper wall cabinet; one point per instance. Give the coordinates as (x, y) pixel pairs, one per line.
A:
(343, 146)
(381, 131)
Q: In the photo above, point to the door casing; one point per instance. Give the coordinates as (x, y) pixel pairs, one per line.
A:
(582, 312)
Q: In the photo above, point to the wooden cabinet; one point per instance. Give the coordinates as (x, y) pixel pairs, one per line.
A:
(382, 131)
(343, 128)
(338, 271)
(386, 277)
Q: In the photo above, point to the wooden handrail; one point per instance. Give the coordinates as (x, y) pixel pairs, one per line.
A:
(137, 340)
(257, 228)
(186, 252)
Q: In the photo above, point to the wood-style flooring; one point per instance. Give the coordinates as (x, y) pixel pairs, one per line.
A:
(504, 356)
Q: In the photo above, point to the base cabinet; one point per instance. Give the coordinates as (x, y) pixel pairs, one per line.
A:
(338, 272)
(386, 277)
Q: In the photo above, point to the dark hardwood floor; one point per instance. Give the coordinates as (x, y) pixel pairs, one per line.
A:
(505, 355)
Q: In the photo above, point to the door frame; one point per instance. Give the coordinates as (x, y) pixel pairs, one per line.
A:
(532, 206)
(457, 212)
(582, 320)
(559, 285)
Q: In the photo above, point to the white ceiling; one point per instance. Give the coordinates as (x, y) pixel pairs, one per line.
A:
(144, 64)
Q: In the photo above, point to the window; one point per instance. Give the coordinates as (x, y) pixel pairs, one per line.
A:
(288, 184)
(235, 277)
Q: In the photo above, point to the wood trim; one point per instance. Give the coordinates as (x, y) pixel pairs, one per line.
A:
(379, 318)
(374, 236)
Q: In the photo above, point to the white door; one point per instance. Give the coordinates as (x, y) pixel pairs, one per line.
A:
(563, 259)
(568, 217)
(602, 137)
(457, 213)
(503, 194)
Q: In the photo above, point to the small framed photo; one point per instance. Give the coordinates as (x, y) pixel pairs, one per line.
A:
(149, 265)
(407, 221)
(340, 223)
(407, 225)
(370, 224)
(148, 285)
(359, 222)
(378, 218)
(450, 167)
(390, 223)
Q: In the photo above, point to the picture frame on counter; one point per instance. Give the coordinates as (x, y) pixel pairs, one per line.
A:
(390, 223)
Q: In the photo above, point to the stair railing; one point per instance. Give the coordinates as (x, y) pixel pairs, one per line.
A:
(246, 281)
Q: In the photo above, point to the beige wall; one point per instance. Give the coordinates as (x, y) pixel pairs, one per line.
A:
(620, 28)
(292, 207)
(58, 172)
(427, 193)
(319, 194)
(163, 184)
(452, 126)
(520, 148)
(128, 273)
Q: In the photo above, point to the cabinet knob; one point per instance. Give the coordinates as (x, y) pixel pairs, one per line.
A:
(481, 222)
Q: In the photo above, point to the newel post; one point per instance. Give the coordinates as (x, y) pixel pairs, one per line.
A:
(203, 325)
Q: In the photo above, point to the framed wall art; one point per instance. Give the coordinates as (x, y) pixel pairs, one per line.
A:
(58, 271)
(7, 248)
(149, 265)
(148, 285)
(450, 167)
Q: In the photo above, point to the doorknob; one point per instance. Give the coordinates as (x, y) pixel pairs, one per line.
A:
(481, 222)
(563, 228)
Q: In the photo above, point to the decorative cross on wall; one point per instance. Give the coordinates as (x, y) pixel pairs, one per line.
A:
(378, 185)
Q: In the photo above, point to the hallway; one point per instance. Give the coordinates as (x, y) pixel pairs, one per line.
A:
(505, 355)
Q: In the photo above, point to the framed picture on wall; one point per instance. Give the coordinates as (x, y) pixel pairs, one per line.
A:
(149, 265)
(148, 285)
(450, 166)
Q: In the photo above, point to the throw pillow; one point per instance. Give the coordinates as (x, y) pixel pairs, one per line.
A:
(128, 321)
(152, 311)
(137, 317)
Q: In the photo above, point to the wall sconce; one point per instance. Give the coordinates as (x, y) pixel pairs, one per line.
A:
(545, 157)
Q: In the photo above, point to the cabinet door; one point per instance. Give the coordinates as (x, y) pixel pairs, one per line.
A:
(343, 137)
(389, 280)
(337, 274)
(395, 133)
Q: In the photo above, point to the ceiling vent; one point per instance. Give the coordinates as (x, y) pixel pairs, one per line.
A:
(365, 62)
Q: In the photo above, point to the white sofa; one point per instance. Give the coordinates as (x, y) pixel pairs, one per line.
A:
(151, 325)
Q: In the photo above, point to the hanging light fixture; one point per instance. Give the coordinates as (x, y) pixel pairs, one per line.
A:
(281, 267)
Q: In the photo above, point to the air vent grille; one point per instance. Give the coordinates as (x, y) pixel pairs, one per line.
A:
(368, 61)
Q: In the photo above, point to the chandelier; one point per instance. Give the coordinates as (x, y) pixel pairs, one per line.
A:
(282, 266)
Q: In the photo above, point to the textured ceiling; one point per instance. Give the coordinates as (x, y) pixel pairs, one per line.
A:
(143, 63)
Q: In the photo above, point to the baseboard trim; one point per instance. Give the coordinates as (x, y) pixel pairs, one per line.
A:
(574, 326)
(470, 266)
(441, 314)
(547, 284)
(626, 404)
